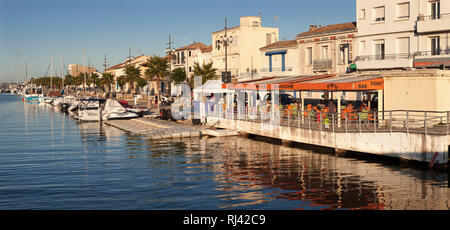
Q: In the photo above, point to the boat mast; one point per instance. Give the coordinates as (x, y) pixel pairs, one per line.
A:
(62, 77)
(84, 71)
(26, 71)
(51, 74)
(17, 66)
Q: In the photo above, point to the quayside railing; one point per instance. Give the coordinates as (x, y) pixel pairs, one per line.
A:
(408, 121)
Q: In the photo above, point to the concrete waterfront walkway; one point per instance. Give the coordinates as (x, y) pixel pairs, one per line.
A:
(157, 129)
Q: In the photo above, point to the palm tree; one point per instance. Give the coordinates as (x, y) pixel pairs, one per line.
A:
(79, 80)
(141, 82)
(132, 74)
(107, 80)
(68, 81)
(93, 79)
(157, 68)
(206, 71)
(121, 81)
(178, 75)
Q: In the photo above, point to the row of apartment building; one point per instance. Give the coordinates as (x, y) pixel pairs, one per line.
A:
(388, 34)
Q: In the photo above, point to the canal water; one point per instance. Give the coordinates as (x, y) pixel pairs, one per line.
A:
(49, 161)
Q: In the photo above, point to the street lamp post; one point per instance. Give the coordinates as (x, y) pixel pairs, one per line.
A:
(225, 41)
(169, 51)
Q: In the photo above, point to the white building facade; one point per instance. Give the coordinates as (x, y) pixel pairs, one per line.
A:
(402, 34)
(186, 57)
(243, 58)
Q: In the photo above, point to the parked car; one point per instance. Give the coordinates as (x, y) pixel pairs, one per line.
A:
(285, 99)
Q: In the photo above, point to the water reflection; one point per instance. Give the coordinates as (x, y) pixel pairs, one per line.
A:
(255, 174)
(49, 161)
(326, 181)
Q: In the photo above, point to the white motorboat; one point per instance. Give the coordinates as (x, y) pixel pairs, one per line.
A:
(45, 100)
(64, 103)
(134, 109)
(86, 104)
(114, 110)
(57, 101)
(87, 111)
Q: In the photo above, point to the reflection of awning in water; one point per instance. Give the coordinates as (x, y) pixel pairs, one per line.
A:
(319, 82)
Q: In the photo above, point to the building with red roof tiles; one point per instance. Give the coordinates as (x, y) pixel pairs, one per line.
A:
(119, 69)
(327, 49)
(185, 57)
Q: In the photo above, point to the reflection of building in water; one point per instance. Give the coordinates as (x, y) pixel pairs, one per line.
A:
(322, 180)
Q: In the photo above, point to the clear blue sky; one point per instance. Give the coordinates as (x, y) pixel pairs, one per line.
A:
(44, 28)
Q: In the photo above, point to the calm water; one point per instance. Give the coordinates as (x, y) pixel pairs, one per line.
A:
(49, 161)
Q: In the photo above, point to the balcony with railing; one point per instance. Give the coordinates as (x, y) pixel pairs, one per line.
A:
(431, 54)
(278, 71)
(434, 58)
(385, 61)
(433, 23)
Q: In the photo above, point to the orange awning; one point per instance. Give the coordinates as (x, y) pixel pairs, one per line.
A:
(314, 83)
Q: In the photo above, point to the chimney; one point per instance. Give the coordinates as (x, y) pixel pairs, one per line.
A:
(312, 27)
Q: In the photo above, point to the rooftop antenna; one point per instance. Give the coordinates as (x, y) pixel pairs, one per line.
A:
(170, 43)
(129, 54)
(276, 20)
(105, 63)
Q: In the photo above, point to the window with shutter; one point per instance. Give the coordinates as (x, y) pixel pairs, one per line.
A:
(403, 46)
(403, 10)
(309, 56)
(362, 14)
(324, 53)
(378, 14)
(379, 49)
